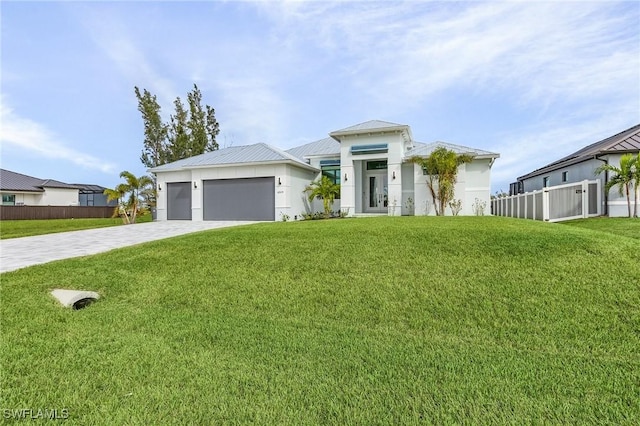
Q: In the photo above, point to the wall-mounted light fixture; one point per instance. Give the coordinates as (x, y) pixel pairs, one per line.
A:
(159, 187)
(394, 174)
(195, 185)
(279, 181)
(345, 177)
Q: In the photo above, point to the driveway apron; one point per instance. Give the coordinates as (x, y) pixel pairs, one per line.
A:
(16, 253)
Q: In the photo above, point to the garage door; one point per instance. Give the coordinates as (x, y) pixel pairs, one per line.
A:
(239, 199)
(179, 201)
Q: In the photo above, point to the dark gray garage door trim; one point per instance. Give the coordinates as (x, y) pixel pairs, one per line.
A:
(239, 199)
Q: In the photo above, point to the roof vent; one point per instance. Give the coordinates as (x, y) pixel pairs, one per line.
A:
(76, 299)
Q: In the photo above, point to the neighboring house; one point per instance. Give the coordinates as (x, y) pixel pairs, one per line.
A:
(93, 195)
(18, 189)
(582, 164)
(262, 182)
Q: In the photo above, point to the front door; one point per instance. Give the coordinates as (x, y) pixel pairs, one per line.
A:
(376, 193)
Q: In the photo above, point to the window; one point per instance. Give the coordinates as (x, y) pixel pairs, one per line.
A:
(545, 182)
(565, 176)
(333, 173)
(8, 200)
(377, 165)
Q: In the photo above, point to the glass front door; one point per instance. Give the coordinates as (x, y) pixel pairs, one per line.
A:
(376, 193)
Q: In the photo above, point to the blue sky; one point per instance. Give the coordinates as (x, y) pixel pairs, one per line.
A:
(533, 81)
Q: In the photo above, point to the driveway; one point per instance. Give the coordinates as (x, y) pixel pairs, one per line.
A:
(16, 253)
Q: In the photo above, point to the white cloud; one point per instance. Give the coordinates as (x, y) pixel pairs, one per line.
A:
(25, 134)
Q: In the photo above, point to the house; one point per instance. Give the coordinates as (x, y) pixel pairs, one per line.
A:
(581, 165)
(262, 182)
(18, 189)
(21, 190)
(93, 195)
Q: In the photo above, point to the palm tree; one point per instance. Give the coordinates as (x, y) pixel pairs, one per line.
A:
(442, 171)
(323, 189)
(623, 178)
(636, 182)
(128, 195)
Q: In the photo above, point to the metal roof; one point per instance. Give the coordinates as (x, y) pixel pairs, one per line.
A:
(627, 141)
(326, 146)
(12, 181)
(423, 150)
(369, 125)
(256, 153)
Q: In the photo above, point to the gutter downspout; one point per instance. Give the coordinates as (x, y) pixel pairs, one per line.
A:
(606, 179)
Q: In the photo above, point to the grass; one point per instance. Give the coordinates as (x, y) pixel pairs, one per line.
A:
(356, 321)
(622, 226)
(28, 228)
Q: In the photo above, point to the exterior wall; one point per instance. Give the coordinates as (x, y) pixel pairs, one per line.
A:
(473, 182)
(27, 199)
(59, 197)
(352, 190)
(290, 182)
(477, 178)
(297, 181)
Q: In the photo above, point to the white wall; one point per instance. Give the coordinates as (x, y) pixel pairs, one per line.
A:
(59, 197)
(473, 181)
(288, 193)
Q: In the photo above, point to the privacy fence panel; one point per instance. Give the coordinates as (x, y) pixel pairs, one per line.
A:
(54, 212)
(553, 204)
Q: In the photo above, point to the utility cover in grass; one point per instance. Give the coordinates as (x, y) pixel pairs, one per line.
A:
(77, 299)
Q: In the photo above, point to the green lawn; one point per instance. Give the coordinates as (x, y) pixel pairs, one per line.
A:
(357, 321)
(624, 226)
(27, 228)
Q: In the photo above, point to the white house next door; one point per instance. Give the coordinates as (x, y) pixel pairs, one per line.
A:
(376, 192)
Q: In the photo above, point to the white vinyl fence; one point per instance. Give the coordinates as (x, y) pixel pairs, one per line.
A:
(553, 204)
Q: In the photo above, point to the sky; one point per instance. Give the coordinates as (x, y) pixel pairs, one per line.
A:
(532, 81)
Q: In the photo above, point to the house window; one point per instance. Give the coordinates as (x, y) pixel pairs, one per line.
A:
(8, 200)
(333, 173)
(545, 182)
(377, 165)
(565, 176)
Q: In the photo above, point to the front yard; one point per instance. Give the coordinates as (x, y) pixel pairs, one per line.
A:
(392, 320)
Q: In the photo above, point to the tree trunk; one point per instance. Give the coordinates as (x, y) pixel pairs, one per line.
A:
(628, 199)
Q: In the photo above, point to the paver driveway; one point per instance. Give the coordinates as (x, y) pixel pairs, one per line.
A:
(16, 253)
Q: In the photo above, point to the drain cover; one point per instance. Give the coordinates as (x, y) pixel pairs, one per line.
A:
(77, 299)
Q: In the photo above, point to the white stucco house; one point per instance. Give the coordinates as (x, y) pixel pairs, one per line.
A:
(18, 189)
(581, 165)
(262, 182)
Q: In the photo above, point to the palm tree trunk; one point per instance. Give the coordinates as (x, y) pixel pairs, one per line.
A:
(626, 187)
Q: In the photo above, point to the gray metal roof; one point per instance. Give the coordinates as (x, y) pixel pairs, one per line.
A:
(12, 181)
(423, 150)
(627, 141)
(256, 153)
(369, 125)
(326, 146)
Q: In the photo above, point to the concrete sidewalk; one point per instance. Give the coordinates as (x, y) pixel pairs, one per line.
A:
(16, 253)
